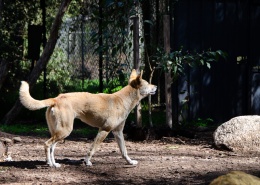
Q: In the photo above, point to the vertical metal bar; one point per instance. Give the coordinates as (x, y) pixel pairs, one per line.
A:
(82, 51)
(101, 48)
(68, 51)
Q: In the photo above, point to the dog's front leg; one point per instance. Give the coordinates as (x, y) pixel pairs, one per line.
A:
(102, 134)
(119, 136)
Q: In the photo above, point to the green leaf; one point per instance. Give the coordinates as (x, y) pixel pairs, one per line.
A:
(149, 22)
(208, 65)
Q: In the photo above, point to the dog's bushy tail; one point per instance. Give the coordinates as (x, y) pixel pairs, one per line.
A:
(31, 103)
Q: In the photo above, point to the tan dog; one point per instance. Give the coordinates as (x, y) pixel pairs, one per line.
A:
(108, 112)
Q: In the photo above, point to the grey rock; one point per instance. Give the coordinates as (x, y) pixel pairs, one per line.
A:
(241, 133)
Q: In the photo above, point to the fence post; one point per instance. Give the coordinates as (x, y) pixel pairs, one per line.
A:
(168, 78)
(82, 51)
(101, 47)
(138, 109)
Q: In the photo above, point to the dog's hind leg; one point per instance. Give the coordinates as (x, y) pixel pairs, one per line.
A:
(102, 134)
(119, 136)
(49, 152)
(52, 155)
(60, 125)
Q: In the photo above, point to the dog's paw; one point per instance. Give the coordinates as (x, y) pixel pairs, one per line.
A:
(88, 163)
(133, 162)
(50, 164)
(56, 165)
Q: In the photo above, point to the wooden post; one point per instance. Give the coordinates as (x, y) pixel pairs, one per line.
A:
(168, 78)
(138, 109)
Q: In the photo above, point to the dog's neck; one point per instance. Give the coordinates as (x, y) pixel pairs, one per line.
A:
(130, 95)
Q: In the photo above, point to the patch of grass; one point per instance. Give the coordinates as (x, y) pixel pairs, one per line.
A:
(158, 118)
(84, 132)
(25, 129)
(81, 130)
(204, 123)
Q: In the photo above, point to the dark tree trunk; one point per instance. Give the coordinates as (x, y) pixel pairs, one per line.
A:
(168, 78)
(42, 62)
(3, 71)
(3, 63)
(1, 8)
(146, 9)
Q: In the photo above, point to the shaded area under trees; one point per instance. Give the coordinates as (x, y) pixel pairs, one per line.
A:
(43, 60)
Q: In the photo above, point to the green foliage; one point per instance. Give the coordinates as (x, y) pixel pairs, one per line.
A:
(114, 30)
(176, 61)
(84, 131)
(158, 117)
(203, 122)
(59, 71)
(37, 129)
(15, 16)
(25, 129)
(115, 85)
(14, 19)
(199, 123)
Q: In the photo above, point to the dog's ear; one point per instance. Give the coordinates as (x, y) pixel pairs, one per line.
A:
(135, 80)
(141, 74)
(133, 74)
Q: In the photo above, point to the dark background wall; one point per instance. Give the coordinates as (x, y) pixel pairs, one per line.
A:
(230, 88)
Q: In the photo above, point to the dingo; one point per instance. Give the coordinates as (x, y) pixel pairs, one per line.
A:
(108, 112)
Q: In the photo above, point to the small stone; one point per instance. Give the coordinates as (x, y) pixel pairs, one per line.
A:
(17, 139)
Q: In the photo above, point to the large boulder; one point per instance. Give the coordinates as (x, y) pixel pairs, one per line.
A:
(239, 134)
(236, 178)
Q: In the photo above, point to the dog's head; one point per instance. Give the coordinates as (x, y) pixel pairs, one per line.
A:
(144, 87)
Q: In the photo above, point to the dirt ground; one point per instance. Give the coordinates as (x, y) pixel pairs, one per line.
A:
(171, 160)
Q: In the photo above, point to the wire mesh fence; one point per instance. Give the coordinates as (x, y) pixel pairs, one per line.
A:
(80, 56)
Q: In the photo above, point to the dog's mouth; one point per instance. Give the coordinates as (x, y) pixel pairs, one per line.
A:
(152, 93)
(148, 93)
(153, 90)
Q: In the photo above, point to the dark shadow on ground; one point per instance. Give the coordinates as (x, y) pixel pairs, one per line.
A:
(39, 164)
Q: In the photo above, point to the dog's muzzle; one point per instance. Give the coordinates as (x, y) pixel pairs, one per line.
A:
(153, 90)
(150, 91)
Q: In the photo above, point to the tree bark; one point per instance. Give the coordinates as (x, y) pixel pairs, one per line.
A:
(42, 62)
(138, 109)
(168, 77)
